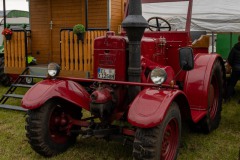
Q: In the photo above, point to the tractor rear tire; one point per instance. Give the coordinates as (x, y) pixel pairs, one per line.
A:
(215, 96)
(212, 119)
(5, 80)
(1, 68)
(47, 130)
(1, 72)
(162, 141)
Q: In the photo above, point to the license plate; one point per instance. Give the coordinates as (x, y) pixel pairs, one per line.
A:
(106, 73)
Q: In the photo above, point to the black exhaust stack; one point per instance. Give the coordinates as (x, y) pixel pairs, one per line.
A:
(134, 24)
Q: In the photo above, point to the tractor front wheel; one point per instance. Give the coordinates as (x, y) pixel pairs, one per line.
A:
(162, 141)
(49, 128)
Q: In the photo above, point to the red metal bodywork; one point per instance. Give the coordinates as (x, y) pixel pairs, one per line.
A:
(174, 41)
(48, 89)
(109, 51)
(150, 106)
(196, 85)
(122, 91)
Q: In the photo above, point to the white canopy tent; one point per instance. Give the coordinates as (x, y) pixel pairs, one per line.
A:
(210, 16)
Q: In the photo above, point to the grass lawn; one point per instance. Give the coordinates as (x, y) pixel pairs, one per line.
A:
(221, 144)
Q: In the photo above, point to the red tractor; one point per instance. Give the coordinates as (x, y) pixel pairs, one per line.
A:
(152, 80)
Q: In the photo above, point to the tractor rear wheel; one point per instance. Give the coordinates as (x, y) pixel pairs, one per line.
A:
(162, 141)
(49, 128)
(5, 80)
(215, 97)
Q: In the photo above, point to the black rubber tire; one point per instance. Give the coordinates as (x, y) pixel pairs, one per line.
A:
(1, 72)
(5, 80)
(212, 120)
(28, 80)
(1, 67)
(1, 61)
(39, 133)
(148, 142)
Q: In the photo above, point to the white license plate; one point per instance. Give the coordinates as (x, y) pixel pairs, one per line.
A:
(106, 73)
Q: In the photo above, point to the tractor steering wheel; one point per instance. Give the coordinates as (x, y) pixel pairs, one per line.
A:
(158, 23)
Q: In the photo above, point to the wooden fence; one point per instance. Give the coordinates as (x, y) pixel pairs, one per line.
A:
(15, 52)
(78, 55)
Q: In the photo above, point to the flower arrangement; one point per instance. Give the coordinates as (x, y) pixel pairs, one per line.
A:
(7, 31)
(78, 29)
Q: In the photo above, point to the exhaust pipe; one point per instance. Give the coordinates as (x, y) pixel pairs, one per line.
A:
(134, 24)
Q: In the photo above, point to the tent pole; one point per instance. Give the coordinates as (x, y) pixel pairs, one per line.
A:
(108, 14)
(189, 16)
(213, 40)
(4, 13)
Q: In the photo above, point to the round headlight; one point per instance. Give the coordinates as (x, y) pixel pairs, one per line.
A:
(158, 76)
(53, 69)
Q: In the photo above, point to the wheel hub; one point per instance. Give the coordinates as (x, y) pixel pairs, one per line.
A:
(59, 126)
(170, 140)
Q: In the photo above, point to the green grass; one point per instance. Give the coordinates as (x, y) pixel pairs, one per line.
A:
(221, 144)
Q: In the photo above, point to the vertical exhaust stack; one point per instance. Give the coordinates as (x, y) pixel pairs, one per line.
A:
(134, 24)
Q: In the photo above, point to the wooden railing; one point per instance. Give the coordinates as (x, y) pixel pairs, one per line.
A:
(15, 52)
(77, 56)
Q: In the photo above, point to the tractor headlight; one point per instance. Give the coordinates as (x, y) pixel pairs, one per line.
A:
(158, 75)
(53, 69)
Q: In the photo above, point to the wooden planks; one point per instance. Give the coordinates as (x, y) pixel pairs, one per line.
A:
(15, 53)
(117, 14)
(202, 42)
(65, 14)
(40, 28)
(97, 14)
(77, 55)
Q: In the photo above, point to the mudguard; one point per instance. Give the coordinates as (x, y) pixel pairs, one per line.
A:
(64, 89)
(150, 106)
(197, 82)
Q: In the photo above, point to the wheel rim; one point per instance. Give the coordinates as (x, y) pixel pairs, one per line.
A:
(29, 80)
(59, 125)
(213, 98)
(170, 140)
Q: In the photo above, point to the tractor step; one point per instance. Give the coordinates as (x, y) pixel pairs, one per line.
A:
(25, 80)
(18, 108)
(22, 85)
(13, 96)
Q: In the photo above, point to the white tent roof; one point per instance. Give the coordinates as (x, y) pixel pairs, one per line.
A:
(207, 15)
(17, 20)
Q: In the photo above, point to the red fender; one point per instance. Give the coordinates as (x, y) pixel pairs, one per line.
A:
(196, 84)
(64, 89)
(150, 106)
